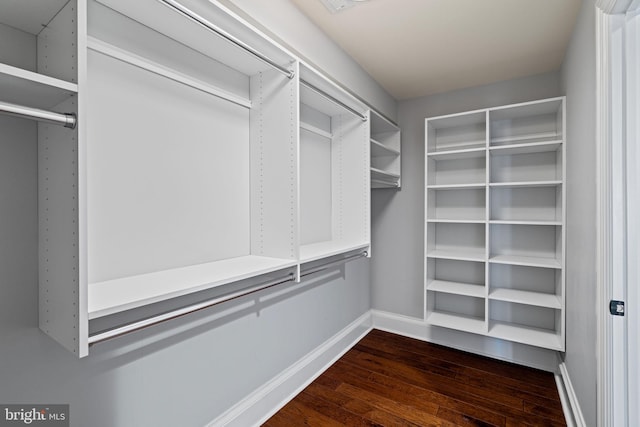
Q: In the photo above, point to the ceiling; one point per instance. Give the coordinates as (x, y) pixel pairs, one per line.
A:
(416, 48)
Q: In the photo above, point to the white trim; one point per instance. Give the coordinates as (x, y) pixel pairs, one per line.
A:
(613, 6)
(603, 247)
(572, 413)
(260, 405)
(412, 327)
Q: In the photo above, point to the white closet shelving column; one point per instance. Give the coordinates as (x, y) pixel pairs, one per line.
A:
(495, 196)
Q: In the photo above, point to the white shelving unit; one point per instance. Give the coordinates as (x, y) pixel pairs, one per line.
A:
(198, 160)
(494, 226)
(334, 169)
(386, 165)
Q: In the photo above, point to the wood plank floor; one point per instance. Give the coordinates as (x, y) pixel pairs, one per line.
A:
(390, 380)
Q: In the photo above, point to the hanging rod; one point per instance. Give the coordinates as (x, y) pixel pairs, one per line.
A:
(68, 120)
(332, 99)
(174, 5)
(145, 323)
(174, 314)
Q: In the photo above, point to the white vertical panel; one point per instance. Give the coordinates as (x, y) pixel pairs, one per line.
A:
(58, 45)
(59, 298)
(274, 162)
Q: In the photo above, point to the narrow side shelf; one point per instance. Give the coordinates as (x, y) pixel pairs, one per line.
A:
(528, 261)
(553, 183)
(316, 251)
(460, 255)
(528, 148)
(378, 149)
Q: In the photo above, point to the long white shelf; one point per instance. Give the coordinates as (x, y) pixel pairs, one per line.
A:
(115, 52)
(316, 130)
(31, 89)
(465, 153)
(542, 137)
(525, 222)
(456, 221)
(315, 251)
(378, 149)
(526, 335)
(457, 288)
(455, 186)
(539, 299)
(456, 321)
(460, 255)
(473, 146)
(528, 148)
(113, 296)
(528, 261)
(553, 183)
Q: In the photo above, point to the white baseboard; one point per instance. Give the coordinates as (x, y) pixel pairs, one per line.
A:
(412, 327)
(260, 405)
(570, 404)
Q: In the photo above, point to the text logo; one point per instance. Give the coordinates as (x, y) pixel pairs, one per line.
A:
(34, 415)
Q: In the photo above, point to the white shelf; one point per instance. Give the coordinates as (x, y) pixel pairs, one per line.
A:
(461, 255)
(542, 137)
(526, 261)
(526, 335)
(457, 288)
(113, 296)
(457, 321)
(456, 221)
(467, 153)
(525, 222)
(31, 89)
(553, 183)
(526, 297)
(383, 175)
(316, 251)
(454, 186)
(314, 129)
(378, 149)
(528, 148)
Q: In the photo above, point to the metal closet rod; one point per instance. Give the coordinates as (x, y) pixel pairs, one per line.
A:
(332, 99)
(387, 183)
(68, 120)
(188, 13)
(174, 314)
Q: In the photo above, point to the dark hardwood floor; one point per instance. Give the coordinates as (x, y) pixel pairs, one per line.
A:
(389, 380)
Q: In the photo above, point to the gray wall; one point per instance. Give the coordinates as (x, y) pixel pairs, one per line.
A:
(398, 216)
(579, 84)
(181, 374)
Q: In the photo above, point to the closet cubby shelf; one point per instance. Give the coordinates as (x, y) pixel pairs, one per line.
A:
(458, 254)
(456, 321)
(456, 288)
(526, 297)
(495, 213)
(554, 183)
(527, 335)
(314, 129)
(529, 148)
(113, 296)
(468, 153)
(530, 261)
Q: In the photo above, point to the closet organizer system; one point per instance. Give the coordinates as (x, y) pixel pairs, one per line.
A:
(179, 150)
(495, 222)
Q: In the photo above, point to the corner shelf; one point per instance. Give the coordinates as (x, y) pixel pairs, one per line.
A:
(498, 171)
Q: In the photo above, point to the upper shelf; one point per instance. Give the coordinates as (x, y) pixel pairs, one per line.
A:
(33, 89)
(378, 149)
